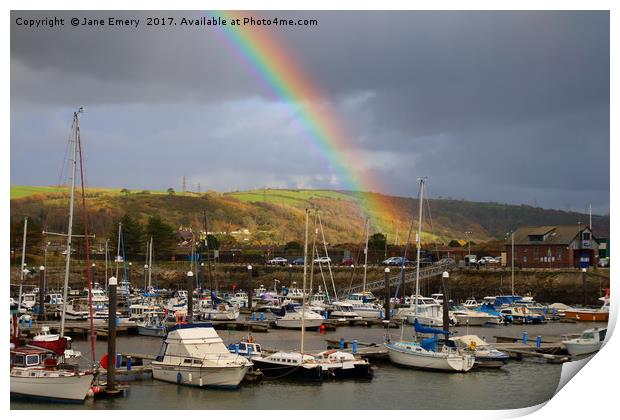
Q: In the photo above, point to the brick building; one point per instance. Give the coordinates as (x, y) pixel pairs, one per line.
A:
(553, 247)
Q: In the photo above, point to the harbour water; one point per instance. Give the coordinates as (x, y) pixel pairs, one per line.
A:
(518, 384)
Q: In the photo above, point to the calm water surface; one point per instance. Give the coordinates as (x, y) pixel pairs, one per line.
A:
(516, 385)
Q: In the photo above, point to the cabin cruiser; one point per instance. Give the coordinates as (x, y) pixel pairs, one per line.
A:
(429, 312)
(485, 355)
(464, 316)
(194, 354)
(178, 302)
(29, 300)
(522, 315)
(589, 314)
(220, 312)
(471, 304)
(292, 318)
(364, 304)
(590, 341)
(343, 310)
(341, 365)
(239, 299)
(247, 348)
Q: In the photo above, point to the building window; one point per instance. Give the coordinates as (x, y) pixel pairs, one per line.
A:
(525, 258)
(560, 254)
(585, 236)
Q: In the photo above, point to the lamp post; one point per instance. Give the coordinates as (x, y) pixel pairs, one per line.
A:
(250, 288)
(512, 260)
(290, 273)
(146, 273)
(468, 233)
(190, 297)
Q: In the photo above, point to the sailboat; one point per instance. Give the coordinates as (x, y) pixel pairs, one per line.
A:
(425, 353)
(364, 303)
(293, 365)
(39, 370)
(152, 322)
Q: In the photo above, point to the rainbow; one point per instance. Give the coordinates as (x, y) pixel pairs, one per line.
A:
(272, 65)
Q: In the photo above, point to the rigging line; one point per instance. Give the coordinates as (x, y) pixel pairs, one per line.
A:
(357, 257)
(430, 219)
(402, 266)
(324, 283)
(329, 266)
(65, 158)
(87, 246)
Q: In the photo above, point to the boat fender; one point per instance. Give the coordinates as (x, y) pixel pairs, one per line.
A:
(201, 381)
(179, 377)
(189, 377)
(472, 345)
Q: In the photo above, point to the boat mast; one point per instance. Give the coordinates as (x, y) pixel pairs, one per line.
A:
(418, 247)
(89, 276)
(314, 250)
(303, 290)
(118, 248)
(367, 228)
(21, 269)
(150, 262)
(70, 227)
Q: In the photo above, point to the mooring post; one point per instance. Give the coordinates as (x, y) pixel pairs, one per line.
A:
(387, 294)
(190, 297)
(583, 285)
(41, 293)
(111, 386)
(445, 281)
(250, 287)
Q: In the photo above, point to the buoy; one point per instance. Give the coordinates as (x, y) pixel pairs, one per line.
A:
(104, 361)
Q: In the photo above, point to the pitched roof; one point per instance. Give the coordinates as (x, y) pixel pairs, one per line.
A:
(552, 235)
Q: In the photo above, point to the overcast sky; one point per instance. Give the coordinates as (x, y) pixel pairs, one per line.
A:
(491, 106)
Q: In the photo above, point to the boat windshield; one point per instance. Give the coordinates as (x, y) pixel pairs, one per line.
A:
(588, 335)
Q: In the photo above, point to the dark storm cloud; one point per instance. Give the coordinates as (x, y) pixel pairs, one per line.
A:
(503, 106)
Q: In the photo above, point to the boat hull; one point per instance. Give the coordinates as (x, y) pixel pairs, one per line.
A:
(429, 360)
(579, 349)
(472, 321)
(210, 377)
(275, 370)
(296, 323)
(69, 388)
(590, 316)
(359, 371)
(151, 332)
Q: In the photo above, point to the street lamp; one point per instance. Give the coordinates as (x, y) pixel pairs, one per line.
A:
(468, 233)
(512, 259)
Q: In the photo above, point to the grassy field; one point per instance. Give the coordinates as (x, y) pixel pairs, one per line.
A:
(294, 198)
(19, 191)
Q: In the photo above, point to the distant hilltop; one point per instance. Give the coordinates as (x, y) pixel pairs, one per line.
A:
(277, 215)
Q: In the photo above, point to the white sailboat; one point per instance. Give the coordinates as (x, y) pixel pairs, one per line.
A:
(41, 372)
(424, 354)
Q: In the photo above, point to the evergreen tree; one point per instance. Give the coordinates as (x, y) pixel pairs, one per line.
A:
(164, 237)
(133, 237)
(377, 241)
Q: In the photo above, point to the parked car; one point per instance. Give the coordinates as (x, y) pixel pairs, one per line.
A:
(486, 260)
(298, 261)
(277, 261)
(397, 261)
(426, 261)
(347, 261)
(603, 262)
(498, 260)
(323, 260)
(445, 260)
(470, 259)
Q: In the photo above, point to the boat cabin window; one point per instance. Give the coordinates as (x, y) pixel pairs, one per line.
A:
(242, 346)
(32, 360)
(601, 335)
(19, 360)
(587, 335)
(258, 348)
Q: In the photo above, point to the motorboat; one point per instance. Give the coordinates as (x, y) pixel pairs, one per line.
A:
(590, 341)
(194, 354)
(220, 312)
(428, 312)
(153, 325)
(365, 305)
(471, 304)
(485, 355)
(29, 300)
(37, 373)
(292, 318)
(247, 347)
(61, 346)
(289, 365)
(464, 316)
(343, 310)
(341, 365)
(589, 314)
(559, 309)
(522, 315)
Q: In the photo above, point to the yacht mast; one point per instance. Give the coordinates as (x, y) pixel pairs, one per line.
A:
(303, 290)
(150, 262)
(367, 228)
(70, 227)
(418, 247)
(21, 269)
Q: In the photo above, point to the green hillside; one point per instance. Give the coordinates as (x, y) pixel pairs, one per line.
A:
(277, 216)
